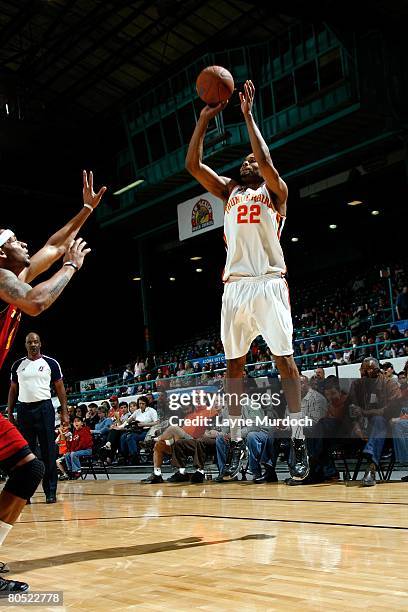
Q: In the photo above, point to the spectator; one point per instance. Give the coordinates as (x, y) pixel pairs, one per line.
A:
(79, 444)
(372, 399)
(128, 375)
(313, 403)
(402, 304)
(136, 427)
(91, 417)
(139, 367)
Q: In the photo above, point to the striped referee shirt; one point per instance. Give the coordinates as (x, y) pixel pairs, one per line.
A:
(34, 377)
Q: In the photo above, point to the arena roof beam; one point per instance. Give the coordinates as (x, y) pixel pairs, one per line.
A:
(23, 16)
(149, 35)
(66, 40)
(96, 44)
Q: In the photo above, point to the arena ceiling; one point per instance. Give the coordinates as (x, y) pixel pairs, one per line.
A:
(92, 55)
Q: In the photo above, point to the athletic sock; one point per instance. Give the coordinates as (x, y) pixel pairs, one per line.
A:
(157, 471)
(297, 430)
(182, 470)
(4, 531)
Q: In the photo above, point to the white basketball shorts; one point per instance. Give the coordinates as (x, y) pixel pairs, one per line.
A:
(256, 306)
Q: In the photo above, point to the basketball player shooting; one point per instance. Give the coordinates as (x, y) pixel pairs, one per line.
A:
(17, 271)
(256, 296)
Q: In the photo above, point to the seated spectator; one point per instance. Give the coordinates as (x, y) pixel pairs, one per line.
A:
(115, 432)
(103, 426)
(128, 375)
(402, 304)
(164, 442)
(61, 440)
(400, 438)
(325, 431)
(313, 403)
(135, 429)
(198, 449)
(91, 417)
(372, 399)
(79, 444)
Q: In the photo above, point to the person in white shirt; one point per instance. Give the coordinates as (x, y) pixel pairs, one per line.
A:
(314, 404)
(141, 420)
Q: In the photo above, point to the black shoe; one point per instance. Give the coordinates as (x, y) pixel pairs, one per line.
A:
(369, 477)
(12, 586)
(291, 482)
(235, 456)
(300, 470)
(219, 479)
(269, 476)
(405, 478)
(178, 477)
(63, 477)
(152, 479)
(197, 478)
(51, 499)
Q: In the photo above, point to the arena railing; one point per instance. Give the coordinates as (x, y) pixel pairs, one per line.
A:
(116, 375)
(119, 390)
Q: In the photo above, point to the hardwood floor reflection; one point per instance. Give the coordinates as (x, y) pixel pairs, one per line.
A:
(119, 545)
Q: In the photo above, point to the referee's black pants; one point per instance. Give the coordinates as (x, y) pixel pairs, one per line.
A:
(36, 421)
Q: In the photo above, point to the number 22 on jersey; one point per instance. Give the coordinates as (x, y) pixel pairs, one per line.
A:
(249, 214)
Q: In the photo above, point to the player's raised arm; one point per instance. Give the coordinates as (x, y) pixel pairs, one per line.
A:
(34, 300)
(57, 244)
(210, 180)
(260, 149)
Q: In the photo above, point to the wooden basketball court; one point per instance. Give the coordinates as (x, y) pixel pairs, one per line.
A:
(119, 545)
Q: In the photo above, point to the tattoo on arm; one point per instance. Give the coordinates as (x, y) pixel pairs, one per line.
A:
(57, 289)
(11, 287)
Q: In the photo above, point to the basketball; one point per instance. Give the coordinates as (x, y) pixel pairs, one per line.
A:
(214, 84)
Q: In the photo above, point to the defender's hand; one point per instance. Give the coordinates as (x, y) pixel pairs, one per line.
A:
(77, 252)
(90, 197)
(247, 98)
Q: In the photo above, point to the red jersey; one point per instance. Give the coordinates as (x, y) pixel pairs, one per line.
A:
(9, 322)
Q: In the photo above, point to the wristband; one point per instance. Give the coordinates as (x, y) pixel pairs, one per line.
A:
(72, 264)
(88, 206)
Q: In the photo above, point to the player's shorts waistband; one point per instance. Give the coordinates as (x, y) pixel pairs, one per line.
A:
(255, 279)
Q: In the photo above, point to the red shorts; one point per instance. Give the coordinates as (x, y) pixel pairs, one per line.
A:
(11, 440)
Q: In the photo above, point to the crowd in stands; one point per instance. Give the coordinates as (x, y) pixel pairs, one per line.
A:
(373, 411)
(352, 322)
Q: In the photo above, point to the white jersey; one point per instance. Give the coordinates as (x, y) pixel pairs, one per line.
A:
(252, 229)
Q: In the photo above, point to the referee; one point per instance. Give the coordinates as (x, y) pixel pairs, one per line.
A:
(31, 379)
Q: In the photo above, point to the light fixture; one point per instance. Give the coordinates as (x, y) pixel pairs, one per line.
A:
(354, 202)
(137, 278)
(375, 212)
(172, 278)
(130, 186)
(199, 269)
(197, 258)
(294, 239)
(333, 226)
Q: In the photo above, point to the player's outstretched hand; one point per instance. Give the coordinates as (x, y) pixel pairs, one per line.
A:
(209, 112)
(247, 97)
(90, 197)
(77, 252)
